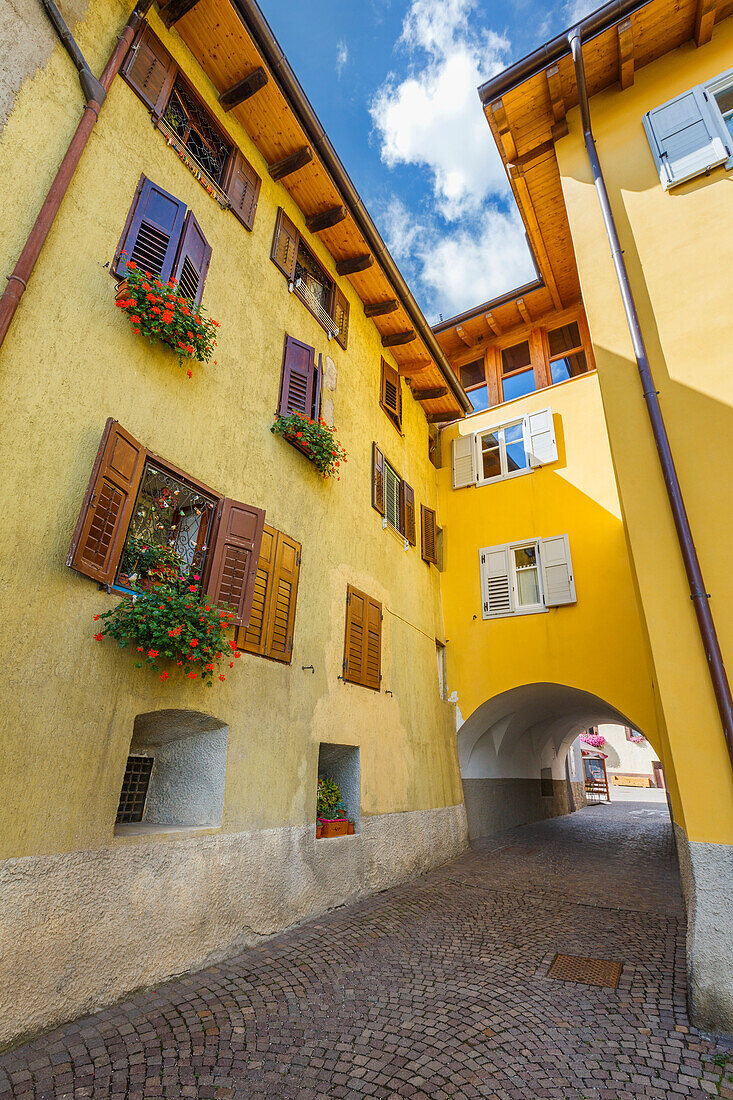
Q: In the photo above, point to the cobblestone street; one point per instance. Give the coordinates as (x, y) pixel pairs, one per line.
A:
(437, 989)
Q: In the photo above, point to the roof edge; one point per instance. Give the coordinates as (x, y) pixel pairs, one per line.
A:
(486, 307)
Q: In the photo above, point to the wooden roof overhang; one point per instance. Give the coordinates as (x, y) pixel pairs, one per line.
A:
(235, 47)
(464, 337)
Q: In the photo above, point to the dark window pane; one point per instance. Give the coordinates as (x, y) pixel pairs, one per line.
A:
(472, 374)
(490, 456)
(516, 357)
(564, 339)
(516, 456)
(518, 385)
(190, 121)
(479, 398)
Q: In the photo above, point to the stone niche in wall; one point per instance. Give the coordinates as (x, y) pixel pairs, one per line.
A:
(341, 763)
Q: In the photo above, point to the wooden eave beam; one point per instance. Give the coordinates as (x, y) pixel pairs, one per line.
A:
(314, 223)
(243, 89)
(704, 21)
(430, 395)
(394, 339)
(625, 32)
(557, 100)
(493, 325)
(441, 418)
(379, 309)
(176, 10)
(525, 314)
(409, 370)
(354, 264)
(524, 199)
(285, 167)
(464, 337)
(501, 122)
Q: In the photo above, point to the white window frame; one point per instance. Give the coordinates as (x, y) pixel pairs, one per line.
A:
(709, 88)
(508, 592)
(505, 471)
(530, 608)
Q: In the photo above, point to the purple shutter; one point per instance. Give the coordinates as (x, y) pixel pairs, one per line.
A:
(243, 188)
(149, 69)
(192, 260)
(298, 378)
(316, 411)
(153, 231)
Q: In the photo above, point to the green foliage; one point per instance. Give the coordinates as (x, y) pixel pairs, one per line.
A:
(329, 805)
(316, 438)
(152, 560)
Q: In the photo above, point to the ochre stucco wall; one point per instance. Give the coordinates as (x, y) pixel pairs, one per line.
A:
(679, 252)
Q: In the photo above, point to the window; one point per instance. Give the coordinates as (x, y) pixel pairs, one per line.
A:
(134, 789)
(341, 764)
(501, 452)
(308, 280)
(300, 382)
(442, 672)
(392, 497)
(517, 373)
(567, 357)
(189, 127)
(505, 450)
(390, 394)
(473, 380)
(162, 237)
(363, 640)
(691, 133)
(193, 525)
(269, 632)
(523, 578)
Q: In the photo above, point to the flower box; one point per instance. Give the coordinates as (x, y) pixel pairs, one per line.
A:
(314, 439)
(335, 827)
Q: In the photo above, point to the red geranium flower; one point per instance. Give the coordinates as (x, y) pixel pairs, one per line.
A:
(99, 637)
(164, 675)
(192, 675)
(221, 677)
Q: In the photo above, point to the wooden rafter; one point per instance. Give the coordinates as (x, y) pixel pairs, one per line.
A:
(431, 394)
(409, 370)
(176, 10)
(521, 190)
(244, 89)
(314, 223)
(439, 418)
(704, 21)
(502, 124)
(625, 33)
(293, 163)
(395, 339)
(378, 309)
(354, 264)
(557, 100)
(522, 307)
(464, 337)
(493, 325)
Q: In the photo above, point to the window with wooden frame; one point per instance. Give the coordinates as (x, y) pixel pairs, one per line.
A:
(429, 534)
(307, 278)
(136, 502)
(363, 640)
(390, 394)
(163, 237)
(300, 381)
(269, 632)
(190, 128)
(517, 371)
(567, 355)
(473, 380)
(392, 497)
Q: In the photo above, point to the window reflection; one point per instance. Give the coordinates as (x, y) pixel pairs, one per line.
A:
(517, 385)
(491, 455)
(516, 456)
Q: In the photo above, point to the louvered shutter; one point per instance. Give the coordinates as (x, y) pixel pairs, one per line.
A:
(378, 500)
(539, 437)
(242, 187)
(341, 317)
(557, 571)
(464, 471)
(192, 260)
(153, 231)
(407, 512)
(149, 69)
(285, 245)
(106, 511)
(391, 396)
(297, 386)
(496, 589)
(363, 643)
(235, 556)
(392, 498)
(683, 137)
(317, 381)
(283, 597)
(429, 532)
(252, 639)
(372, 669)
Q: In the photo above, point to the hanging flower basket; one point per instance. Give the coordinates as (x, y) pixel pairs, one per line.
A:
(158, 311)
(315, 439)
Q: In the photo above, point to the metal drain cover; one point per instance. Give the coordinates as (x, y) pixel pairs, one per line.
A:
(574, 968)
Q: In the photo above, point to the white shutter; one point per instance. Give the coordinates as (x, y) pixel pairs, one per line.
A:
(496, 589)
(557, 571)
(539, 437)
(463, 464)
(684, 138)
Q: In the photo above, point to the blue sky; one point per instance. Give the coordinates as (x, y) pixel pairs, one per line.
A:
(394, 83)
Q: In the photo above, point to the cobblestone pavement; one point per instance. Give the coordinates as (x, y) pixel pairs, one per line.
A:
(436, 989)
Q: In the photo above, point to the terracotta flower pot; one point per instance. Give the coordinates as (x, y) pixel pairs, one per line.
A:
(121, 291)
(319, 831)
(335, 828)
(351, 828)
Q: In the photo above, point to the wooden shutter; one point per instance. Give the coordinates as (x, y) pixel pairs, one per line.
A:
(378, 500)
(242, 187)
(106, 511)
(341, 317)
(363, 642)
(192, 260)
(149, 70)
(317, 381)
(285, 245)
(464, 471)
(429, 531)
(298, 382)
(539, 437)
(683, 138)
(391, 394)
(235, 556)
(557, 571)
(496, 589)
(253, 637)
(152, 232)
(269, 632)
(407, 512)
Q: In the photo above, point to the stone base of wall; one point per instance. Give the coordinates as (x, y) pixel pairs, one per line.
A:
(493, 805)
(82, 929)
(707, 885)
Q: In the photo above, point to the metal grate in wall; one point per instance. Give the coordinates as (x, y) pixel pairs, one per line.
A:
(134, 789)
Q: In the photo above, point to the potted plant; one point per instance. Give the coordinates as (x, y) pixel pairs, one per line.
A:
(330, 810)
(315, 438)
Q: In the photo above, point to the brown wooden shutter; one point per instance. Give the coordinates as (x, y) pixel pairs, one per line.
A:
(391, 394)
(106, 511)
(152, 231)
(373, 653)
(341, 317)
(378, 480)
(297, 385)
(283, 597)
(285, 245)
(363, 640)
(242, 186)
(192, 260)
(429, 535)
(407, 512)
(149, 70)
(235, 556)
(253, 637)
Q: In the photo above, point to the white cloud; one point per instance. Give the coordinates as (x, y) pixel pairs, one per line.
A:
(575, 10)
(342, 56)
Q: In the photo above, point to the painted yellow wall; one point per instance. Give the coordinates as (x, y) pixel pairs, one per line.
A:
(69, 362)
(679, 252)
(596, 645)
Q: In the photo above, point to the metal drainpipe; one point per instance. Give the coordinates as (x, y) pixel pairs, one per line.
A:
(698, 594)
(90, 86)
(18, 281)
